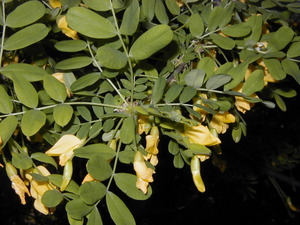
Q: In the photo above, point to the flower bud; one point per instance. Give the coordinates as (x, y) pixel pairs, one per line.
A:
(67, 175)
(195, 169)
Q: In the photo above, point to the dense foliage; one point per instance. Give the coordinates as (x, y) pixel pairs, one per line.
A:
(98, 83)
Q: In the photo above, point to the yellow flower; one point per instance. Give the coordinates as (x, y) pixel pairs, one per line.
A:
(64, 148)
(200, 135)
(144, 124)
(151, 145)
(268, 77)
(143, 173)
(220, 121)
(61, 78)
(55, 3)
(38, 188)
(241, 103)
(17, 183)
(195, 170)
(63, 26)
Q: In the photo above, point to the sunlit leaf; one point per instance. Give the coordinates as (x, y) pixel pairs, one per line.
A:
(196, 25)
(99, 168)
(62, 114)
(54, 88)
(42, 157)
(70, 45)
(118, 211)
(127, 132)
(127, 183)
(94, 217)
(293, 50)
(151, 41)
(6, 105)
(160, 12)
(195, 78)
(187, 94)
(25, 37)
(7, 128)
(148, 7)
(25, 14)
(224, 42)
(131, 19)
(173, 92)
(255, 82)
(291, 68)
(98, 5)
(74, 63)
(217, 81)
(91, 192)
(90, 23)
(111, 58)
(52, 198)
(77, 209)
(32, 121)
(21, 161)
(275, 68)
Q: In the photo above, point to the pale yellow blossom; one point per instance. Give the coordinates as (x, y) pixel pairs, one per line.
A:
(200, 134)
(63, 26)
(38, 188)
(64, 148)
(144, 124)
(16, 182)
(241, 103)
(54, 4)
(220, 121)
(143, 173)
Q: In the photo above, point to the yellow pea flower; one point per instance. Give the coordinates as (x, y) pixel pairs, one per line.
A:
(63, 26)
(220, 121)
(195, 170)
(64, 148)
(143, 173)
(144, 124)
(17, 183)
(200, 135)
(241, 103)
(151, 145)
(38, 188)
(54, 4)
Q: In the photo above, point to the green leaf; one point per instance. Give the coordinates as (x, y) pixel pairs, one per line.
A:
(279, 101)
(56, 179)
(21, 161)
(198, 149)
(173, 7)
(236, 134)
(151, 41)
(77, 209)
(291, 68)
(94, 217)
(173, 147)
(111, 58)
(99, 168)
(187, 94)
(275, 68)
(148, 7)
(39, 177)
(158, 89)
(74, 63)
(25, 14)
(173, 92)
(208, 65)
(224, 42)
(160, 12)
(6, 105)
(25, 37)
(217, 81)
(118, 211)
(90, 23)
(237, 30)
(85, 81)
(32, 121)
(55, 89)
(178, 161)
(70, 45)
(255, 22)
(196, 25)
(30, 72)
(276, 42)
(131, 19)
(127, 132)
(72, 221)
(7, 128)
(293, 50)
(62, 114)
(195, 78)
(287, 93)
(255, 82)
(98, 5)
(127, 183)
(25, 92)
(52, 198)
(42, 157)
(84, 112)
(215, 18)
(237, 73)
(91, 192)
